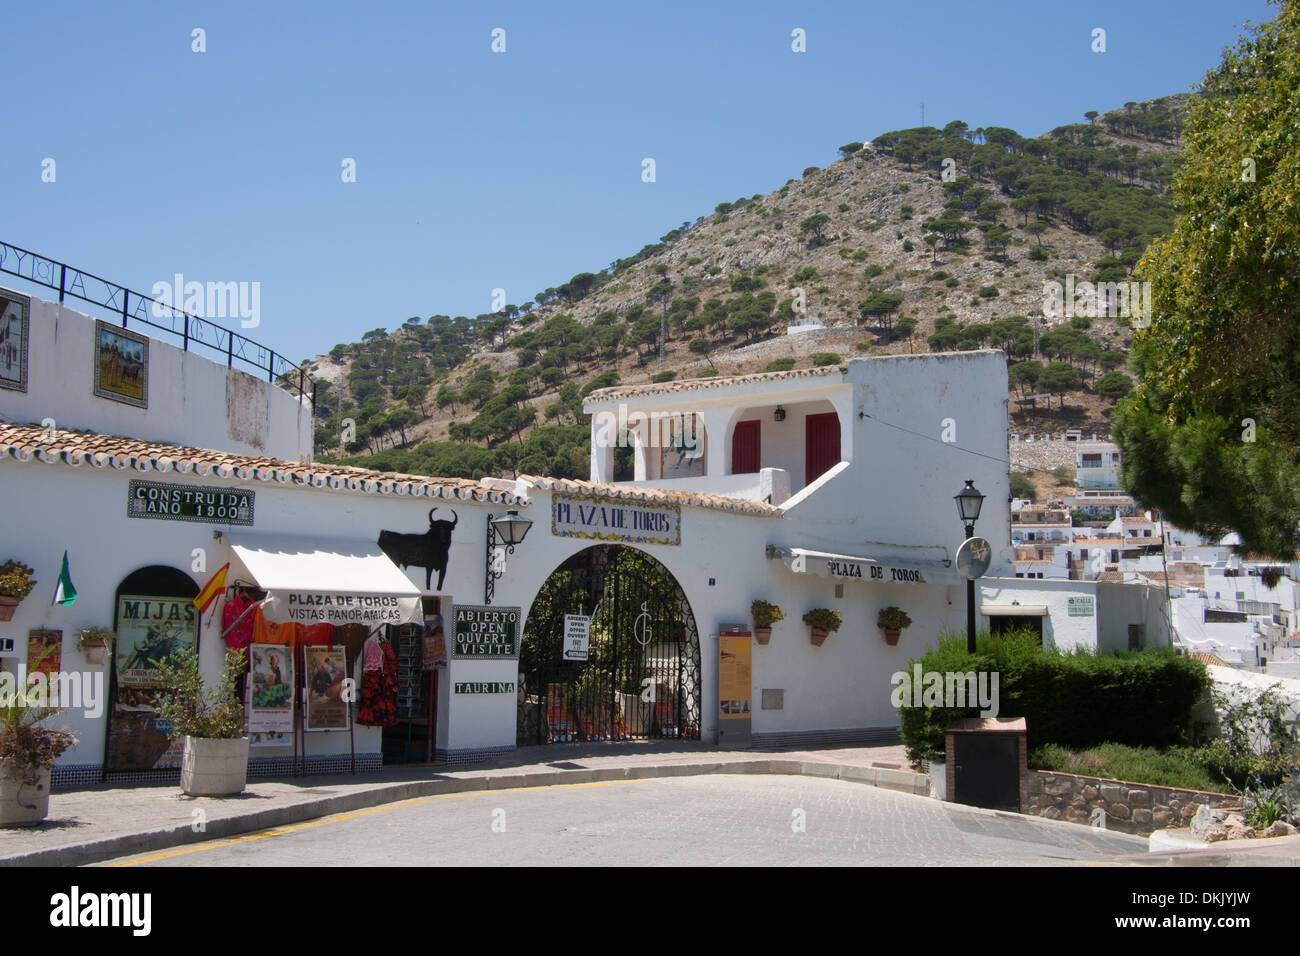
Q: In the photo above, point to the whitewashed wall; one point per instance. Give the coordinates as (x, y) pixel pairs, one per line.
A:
(193, 401)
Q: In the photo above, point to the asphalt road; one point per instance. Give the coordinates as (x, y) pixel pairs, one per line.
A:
(731, 820)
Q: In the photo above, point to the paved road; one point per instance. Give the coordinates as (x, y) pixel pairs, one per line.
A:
(718, 819)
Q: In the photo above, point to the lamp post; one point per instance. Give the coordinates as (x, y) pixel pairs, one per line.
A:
(969, 501)
(505, 531)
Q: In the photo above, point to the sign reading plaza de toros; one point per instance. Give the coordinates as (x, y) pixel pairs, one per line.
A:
(486, 632)
(157, 499)
(609, 519)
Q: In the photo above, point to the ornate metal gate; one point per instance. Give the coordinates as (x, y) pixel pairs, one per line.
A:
(641, 678)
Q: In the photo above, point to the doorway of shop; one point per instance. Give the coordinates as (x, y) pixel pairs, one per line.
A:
(640, 675)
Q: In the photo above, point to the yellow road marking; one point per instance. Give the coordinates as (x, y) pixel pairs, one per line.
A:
(340, 817)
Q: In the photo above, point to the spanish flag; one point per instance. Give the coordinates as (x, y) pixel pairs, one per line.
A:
(210, 590)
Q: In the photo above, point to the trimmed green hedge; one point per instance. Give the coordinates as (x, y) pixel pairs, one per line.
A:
(1077, 700)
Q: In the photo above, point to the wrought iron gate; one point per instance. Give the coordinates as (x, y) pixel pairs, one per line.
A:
(642, 675)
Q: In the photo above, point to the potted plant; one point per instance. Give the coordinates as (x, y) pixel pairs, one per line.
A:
(27, 752)
(215, 760)
(892, 620)
(93, 641)
(823, 622)
(16, 582)
(765, 615)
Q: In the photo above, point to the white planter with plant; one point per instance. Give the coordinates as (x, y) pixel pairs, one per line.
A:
(27, 753)
(215, 760)
(94, 643)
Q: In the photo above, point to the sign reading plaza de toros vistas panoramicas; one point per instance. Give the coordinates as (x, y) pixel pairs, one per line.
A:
(157, 499)
(609, 519)
(486, 632)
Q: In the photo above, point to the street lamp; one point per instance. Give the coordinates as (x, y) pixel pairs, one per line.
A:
(506, 531)
(969, 501)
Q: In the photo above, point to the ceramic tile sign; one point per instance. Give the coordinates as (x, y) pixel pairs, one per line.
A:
(1080, 607)
(177, 502)
(484, 687)
(610, 519)
(15, 326)
(486, 632)
(121, 364)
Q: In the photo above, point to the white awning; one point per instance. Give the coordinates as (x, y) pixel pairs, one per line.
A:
(1013, 610)
(329, 581)
(880, 569)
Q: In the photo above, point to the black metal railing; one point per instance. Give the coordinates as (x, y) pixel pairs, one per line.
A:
(132, 308)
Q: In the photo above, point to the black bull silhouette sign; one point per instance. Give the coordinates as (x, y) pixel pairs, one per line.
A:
(428, 550)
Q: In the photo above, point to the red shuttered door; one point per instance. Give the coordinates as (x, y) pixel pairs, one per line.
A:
(745, 448)
(822, 445)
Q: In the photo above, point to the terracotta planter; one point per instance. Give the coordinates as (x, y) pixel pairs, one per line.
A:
(7, 607)
(762, 634)
(94, 651)
(818, 636)
(214, 768)
(23, 804)
(891, 635)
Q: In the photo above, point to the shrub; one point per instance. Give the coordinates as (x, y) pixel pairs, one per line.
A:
(1022, 486)
(780, 365)
(1178, 767)
(824, 618)
(826, 358)
(988, 292)
(1037, 254)
(765, 615)
(191, 711)
(874, 270)
(667, 375)
(907, 245)
(16, 580)
(1078, 700)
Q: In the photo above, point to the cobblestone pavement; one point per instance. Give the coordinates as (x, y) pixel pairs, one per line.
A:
(723, 819)
(82, 817)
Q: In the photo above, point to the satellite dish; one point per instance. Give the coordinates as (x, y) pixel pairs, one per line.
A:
(974, 557)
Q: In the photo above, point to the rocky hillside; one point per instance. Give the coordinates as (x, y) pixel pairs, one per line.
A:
(924, 239)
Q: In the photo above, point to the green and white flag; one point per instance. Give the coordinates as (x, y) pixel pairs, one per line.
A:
(65, 593)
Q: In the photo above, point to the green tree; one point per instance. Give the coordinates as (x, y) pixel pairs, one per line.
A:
(1114, 385)
(1210, 433)
(1021, 486)
(813, 227)
(1059, 378)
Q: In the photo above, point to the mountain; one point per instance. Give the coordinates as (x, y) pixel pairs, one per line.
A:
(925, 238)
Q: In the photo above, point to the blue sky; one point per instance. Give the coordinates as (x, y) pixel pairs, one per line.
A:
(477, 170)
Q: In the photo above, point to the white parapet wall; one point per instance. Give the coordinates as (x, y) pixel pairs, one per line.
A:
(191, 400)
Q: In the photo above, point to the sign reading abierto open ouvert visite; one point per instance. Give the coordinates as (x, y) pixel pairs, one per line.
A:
(486, 632)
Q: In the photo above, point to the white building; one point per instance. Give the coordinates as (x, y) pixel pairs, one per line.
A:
(828, 488)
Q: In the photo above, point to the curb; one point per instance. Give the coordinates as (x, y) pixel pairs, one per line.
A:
(130, 844)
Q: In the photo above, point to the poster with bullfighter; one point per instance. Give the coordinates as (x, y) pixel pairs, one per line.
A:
(324, 671)
(121, 365)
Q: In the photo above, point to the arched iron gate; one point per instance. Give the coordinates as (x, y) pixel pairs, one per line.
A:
(642, 675)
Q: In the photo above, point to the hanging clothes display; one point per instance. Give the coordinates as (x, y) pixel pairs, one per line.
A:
(378, 685)
(237, 621)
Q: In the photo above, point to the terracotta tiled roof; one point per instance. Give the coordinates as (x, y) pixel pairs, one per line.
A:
(695, 384)
(34, 443)
(654, 495)
(1205, 657)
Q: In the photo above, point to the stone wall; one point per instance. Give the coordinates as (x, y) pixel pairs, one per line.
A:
(1129, 807)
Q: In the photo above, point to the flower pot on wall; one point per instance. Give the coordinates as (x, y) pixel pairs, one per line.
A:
(819, 634)
(214, 768)
(892, 635)
(7, 607)
(23, 804)
(762, 634)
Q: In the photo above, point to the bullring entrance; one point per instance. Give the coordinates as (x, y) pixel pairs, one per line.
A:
(641, 675)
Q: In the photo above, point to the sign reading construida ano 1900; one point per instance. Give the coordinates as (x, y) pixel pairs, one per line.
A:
(609, 519)
(158, 499)
(486, 632)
